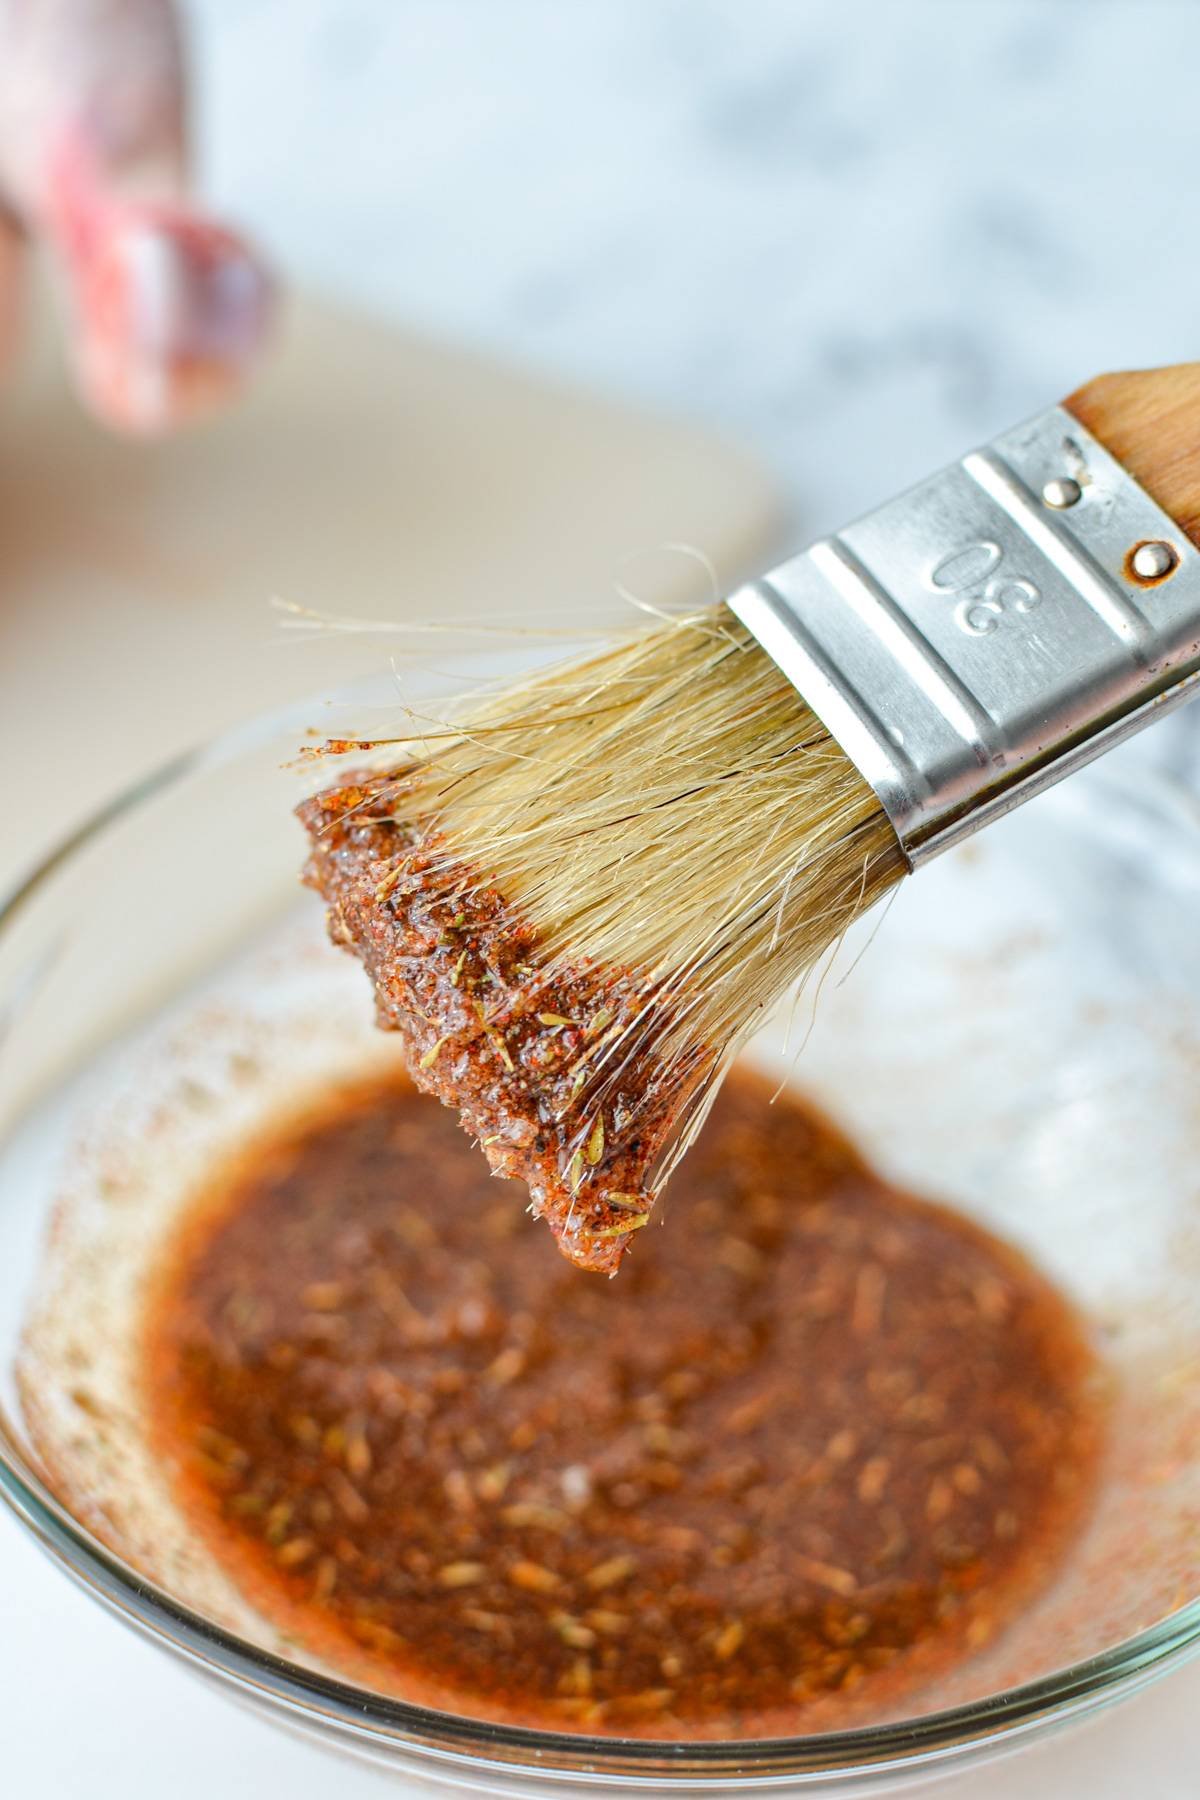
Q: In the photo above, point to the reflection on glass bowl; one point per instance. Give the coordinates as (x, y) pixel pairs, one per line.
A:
(1017, 1038)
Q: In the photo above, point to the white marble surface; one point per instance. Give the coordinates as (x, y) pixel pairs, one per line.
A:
(857, 235)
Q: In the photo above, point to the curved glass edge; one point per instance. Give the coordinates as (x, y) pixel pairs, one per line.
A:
(455, 1741)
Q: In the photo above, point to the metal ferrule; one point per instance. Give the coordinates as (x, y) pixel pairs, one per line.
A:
(989, 631)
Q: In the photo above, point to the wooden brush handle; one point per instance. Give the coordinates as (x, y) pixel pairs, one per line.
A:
(1149, 419)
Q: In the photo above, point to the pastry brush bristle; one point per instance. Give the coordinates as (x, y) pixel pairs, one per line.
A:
(670, 821)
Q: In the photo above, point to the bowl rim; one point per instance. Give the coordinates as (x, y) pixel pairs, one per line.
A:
(474, 1747)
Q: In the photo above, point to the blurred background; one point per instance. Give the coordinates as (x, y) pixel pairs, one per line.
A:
(855, 234)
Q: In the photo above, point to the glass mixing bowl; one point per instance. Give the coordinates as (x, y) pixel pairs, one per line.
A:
(1018, 1035)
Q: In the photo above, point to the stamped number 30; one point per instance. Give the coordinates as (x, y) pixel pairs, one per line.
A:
(984, 594)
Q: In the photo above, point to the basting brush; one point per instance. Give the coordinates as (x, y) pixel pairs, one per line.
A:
(577, 905)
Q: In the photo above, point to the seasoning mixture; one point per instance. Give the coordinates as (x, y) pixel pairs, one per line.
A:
(554, 1072)
(810, 1450)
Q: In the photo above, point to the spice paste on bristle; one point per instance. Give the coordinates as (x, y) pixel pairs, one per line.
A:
(808, 1455)
(524, 1052)
(669, 842)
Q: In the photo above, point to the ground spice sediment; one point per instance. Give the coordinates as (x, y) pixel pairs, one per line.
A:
(818, 1442)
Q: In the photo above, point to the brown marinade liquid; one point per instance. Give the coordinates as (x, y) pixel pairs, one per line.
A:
(816, 1443)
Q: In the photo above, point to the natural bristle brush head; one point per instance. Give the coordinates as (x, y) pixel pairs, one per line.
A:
(576, 911)
(578, 901)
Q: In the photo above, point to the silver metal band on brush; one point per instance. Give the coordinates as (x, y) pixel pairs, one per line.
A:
(989, 631)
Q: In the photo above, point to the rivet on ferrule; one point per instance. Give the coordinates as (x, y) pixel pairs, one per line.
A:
(1154, 561)
(1062, 491)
